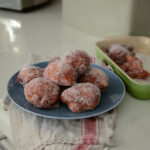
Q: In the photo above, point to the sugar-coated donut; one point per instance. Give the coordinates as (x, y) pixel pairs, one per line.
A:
(26, 74)
(81, 97)
(118, 52)
(95, 76)
(61, 73)
(53, 59)
(80, 60)
(42, 93)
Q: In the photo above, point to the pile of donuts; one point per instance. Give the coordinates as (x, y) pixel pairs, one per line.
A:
(69, 79)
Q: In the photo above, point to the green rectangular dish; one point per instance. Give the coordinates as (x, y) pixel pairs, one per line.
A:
(140, 90)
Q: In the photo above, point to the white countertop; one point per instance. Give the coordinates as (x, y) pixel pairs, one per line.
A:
(42, 32)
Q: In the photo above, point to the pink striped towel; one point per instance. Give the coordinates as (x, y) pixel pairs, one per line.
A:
(31, 132)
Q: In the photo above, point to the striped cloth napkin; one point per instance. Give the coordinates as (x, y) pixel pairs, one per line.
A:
(31, 132)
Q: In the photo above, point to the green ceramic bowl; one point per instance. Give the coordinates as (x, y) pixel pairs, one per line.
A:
(136, 89)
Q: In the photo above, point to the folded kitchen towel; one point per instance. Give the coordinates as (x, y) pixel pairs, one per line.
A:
(31, 132)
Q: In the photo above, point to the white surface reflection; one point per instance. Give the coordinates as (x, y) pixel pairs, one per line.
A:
(16, 49)
(11, 25)
(114, 97)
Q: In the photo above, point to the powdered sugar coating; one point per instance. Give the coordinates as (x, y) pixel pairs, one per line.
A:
(42, 93)
(118, 52)
(60, 73)
(82, 96)
(28, 73)
(80, 60)
(53, 59)
(95, 76)
(119, 47)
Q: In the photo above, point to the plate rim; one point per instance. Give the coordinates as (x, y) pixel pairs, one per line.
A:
(68, 118)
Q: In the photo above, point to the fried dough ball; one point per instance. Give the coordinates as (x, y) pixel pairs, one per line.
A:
(118, 52)
(53, 59)
(28, 73)
(80, 60)
(95, 76)
(134, 68)
(81, 97)
(61, 73)
(42, 93)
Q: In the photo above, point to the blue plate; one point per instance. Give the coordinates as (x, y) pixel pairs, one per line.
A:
(112, 96)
